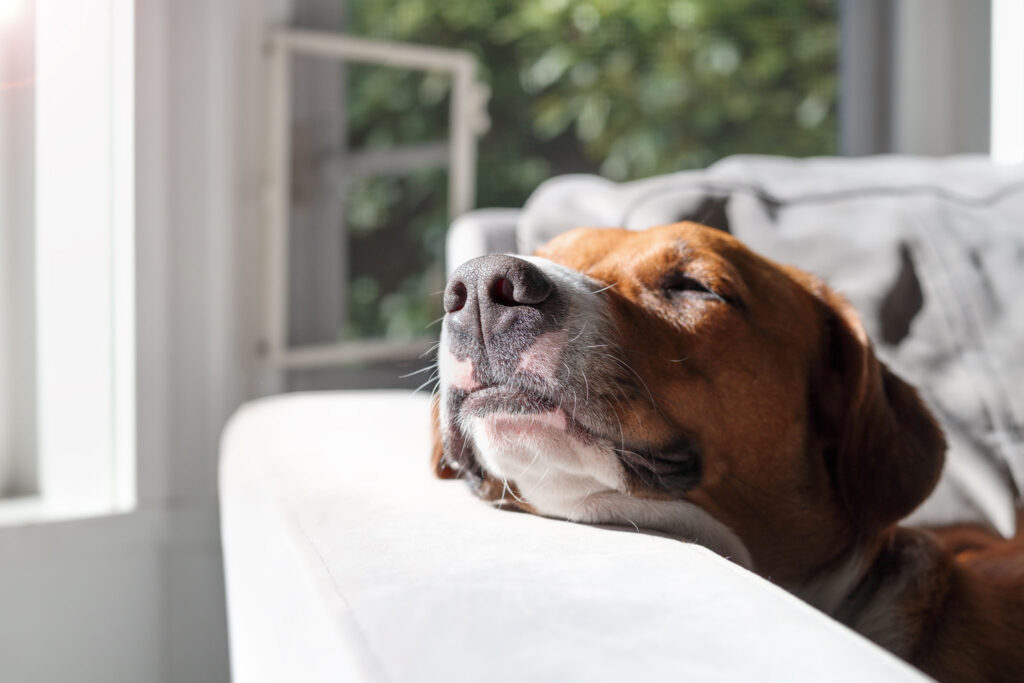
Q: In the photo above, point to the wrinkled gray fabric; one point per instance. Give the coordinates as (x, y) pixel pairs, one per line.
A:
(931, 252)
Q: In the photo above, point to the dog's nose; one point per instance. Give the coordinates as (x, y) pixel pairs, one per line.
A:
(491, 290)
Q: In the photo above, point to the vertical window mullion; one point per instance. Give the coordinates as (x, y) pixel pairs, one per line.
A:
(17, 320)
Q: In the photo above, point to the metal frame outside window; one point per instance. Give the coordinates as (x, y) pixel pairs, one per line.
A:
(467, 120)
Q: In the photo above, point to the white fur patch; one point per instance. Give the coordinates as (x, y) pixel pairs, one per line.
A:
(560, 476)
(456, 373)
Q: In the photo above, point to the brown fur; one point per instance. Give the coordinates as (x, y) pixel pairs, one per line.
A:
(441, 469)
(812, 449)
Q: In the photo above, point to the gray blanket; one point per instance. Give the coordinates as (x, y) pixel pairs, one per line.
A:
(931, 252)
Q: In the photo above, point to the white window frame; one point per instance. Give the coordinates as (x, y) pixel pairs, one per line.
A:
(18, 473)
(84, 298)
(1007, 129)
(468, 119)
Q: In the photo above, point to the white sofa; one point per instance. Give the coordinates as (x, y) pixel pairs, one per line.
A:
(346, 560)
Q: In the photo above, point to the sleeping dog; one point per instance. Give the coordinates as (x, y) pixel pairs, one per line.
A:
(674, 381)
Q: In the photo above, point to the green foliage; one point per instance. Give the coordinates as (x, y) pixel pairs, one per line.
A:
(623, 88)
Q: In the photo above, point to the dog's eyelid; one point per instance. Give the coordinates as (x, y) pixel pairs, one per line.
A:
(679, 284)
(682, 284)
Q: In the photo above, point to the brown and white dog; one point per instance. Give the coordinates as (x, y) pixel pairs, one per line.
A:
(675, 381)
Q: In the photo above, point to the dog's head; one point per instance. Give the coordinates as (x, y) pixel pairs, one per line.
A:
(675, 380)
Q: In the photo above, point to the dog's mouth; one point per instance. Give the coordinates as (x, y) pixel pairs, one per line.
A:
(506, 400)
(514, 410)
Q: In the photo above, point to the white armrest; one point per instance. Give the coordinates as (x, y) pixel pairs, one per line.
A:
(346, 560)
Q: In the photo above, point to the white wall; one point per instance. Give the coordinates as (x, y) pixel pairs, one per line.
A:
(139, 597)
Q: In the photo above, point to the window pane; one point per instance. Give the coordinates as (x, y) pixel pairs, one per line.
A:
(369, 201)
(396, 233)
(70, 239)
(625, 90)
(628, 89)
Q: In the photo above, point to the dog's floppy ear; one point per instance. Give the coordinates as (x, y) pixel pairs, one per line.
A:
(883, 448)
(438, 463)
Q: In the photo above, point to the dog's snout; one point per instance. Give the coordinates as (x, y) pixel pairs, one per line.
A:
(490, 288)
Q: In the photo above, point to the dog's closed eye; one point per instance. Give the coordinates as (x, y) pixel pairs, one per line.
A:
(679, 285)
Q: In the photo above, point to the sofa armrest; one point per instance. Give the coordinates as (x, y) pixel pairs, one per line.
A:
(480, 232)
(347, 560)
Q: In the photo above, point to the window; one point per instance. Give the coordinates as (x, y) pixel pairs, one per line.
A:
(625, 90)
(350, 280)
(67, 375)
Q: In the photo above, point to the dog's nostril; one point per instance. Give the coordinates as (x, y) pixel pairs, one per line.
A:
(521, 286)
(455, 297)
(503, 292)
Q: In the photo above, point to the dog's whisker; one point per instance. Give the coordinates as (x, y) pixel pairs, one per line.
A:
(598, 291)
(432, 378)
(511, 493)
(579, 503)
(432, 366)
(433, 347)
(626, 366)
(580, 332)
(539, 482)
(536, 455)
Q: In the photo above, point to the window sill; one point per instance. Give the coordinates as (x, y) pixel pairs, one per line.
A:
(34, 510)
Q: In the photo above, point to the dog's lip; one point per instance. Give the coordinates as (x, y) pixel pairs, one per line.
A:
(515, 405)
(505, 399)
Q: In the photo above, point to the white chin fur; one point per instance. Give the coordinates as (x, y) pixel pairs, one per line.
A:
(562, 477)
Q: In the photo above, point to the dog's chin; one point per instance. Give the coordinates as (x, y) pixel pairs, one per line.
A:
(531, 441)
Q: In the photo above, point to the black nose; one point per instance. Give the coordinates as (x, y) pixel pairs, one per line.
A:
(494, 291)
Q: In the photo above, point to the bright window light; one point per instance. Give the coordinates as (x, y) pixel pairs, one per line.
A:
(84, 250)
(10, 10)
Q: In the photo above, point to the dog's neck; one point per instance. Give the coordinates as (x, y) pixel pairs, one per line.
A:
(890, 591)
(907, 593)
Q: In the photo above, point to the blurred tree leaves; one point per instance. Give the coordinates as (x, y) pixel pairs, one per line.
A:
(623, 88)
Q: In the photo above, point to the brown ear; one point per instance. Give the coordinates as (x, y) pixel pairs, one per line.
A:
(438, 463)
(882, 446)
